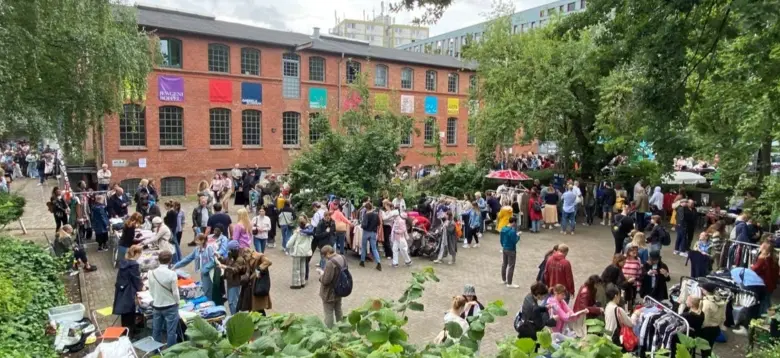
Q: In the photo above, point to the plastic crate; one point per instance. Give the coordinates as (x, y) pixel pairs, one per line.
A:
(73, 313)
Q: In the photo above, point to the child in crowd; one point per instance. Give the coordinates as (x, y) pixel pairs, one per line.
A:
(703, 245)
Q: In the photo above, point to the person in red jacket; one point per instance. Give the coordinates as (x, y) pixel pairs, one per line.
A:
(535, 205)
(558, 271)
(586, 298)
(767, 268)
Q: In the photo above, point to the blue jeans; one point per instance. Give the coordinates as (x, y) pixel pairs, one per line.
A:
(535, 225)
(369, 237)
(205, 284)
(568, 220)
(260, 244)
(655, 247)
(287, 231)
(176, 248)
(121, 251)
(232, 295)
(168, 318)
(341, 238)
(681, 243)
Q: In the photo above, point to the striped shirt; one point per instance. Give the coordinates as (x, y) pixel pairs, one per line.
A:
(633, 268)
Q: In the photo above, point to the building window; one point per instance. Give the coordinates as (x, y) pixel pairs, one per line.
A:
(317, 69)
(570, 7)
(430, 80)
(132, 126)
(291, 84)
(251, 128)
(452, 131)
(452, 83)
(171, 52)
(290, 124)
(219, 58)
(130, 185)
(407, 78)
(430, 130)
(533, 23)
(171, 126)
(541, 13)
(560, 9)
(380, 76)
(316, 124)
(583, 3)
(219, 127)
(541, 23)
(250, 61)
(522, 27)
(353, 71)
(172, 186)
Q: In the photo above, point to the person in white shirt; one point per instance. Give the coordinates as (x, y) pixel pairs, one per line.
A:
(104, 177)
(261, 225)
(165, 293)
(162, 235)
(399, 202)
(236, 174)
(318, 214)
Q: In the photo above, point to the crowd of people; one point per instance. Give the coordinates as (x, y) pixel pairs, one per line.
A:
(230, 258)
(20, 160)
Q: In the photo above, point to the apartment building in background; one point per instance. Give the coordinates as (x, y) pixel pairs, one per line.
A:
(452, 43)
(230, 93)
(379, 30)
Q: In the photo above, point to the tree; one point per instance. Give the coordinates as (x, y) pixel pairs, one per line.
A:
(60, 76)
(537, 85)
(355, 159)
(433, 10)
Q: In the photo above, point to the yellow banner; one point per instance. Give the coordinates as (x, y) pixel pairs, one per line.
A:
(453, 106)
(381, 101)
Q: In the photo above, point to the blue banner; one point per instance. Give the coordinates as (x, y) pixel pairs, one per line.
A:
(251, 93)
(431, 105)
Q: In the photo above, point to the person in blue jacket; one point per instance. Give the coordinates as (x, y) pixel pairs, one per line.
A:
(100, 222)
(203, 255)
(509, 239)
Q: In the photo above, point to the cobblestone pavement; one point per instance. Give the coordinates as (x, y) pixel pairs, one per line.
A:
(590, 252)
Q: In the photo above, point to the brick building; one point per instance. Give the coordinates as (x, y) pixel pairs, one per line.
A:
(228, 93)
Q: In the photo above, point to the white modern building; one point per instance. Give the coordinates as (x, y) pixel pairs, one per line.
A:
(379, 31)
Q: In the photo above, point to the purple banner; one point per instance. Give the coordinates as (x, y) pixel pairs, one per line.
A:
(170, 89)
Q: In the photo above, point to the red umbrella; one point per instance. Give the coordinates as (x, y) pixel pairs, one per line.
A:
(508, 174)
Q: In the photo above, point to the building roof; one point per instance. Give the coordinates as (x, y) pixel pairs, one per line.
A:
(160, 18)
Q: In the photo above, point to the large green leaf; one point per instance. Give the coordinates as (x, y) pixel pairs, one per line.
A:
(363, 326)
(414, 306)
(453, 329)
(526, 345)
(316, 340)
(239, 329)
(201, 332)
(263, 345)
(378, 336)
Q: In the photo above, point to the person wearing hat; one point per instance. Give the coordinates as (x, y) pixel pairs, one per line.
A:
(233, 266)
(473, 306)
(655, 275)
(714, 308)
(162, 235)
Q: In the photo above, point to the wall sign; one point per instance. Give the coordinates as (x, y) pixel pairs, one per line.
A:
(453, 106)
(251, 93)
(119, 163)
(170, 89)
(318, 98)
(407, 104)
(220, 91)
(381, 101)
(431, 105)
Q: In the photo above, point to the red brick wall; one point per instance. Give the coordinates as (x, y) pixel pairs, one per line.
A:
(196, 160)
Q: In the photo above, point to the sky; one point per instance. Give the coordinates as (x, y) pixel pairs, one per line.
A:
(302, 15)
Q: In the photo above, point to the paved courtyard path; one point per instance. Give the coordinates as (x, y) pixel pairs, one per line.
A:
(590, 252)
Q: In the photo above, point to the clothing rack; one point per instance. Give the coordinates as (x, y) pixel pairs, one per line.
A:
(734, 244)
(669, 311)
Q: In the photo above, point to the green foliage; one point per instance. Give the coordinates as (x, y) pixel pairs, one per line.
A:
(628, 174)
(11, 208)
(354, 160)
(766, 208)
(58, 78)
(457, 180)
(29, 285)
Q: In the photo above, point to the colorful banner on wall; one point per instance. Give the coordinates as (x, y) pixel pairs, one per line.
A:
(170, 89)
(381, 102)
(407, 104)
(318, 98)
(251, 93)
(352, 101)
(453, 106)
(220, 91)
(431, 105)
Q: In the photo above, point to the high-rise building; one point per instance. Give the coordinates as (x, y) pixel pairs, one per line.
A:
(379, 31)
(451, 43)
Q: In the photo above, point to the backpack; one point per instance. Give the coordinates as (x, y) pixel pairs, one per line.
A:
(262, 285)
(537, 206)
(518, 321)
(666, 239)
(343, 286)
(50, 206)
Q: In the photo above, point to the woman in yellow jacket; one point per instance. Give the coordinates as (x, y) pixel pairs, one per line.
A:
(504, 214)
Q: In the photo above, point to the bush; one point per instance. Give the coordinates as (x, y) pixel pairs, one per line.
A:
(29, 285)
(11, 208)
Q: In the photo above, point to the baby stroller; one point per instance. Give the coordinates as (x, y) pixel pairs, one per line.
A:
(425, 243)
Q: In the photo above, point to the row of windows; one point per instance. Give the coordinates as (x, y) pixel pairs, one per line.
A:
(132, 128)
(564, 8)
(219, 61)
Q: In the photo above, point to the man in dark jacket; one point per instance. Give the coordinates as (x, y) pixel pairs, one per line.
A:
(118, 203)
(691, 217)
(370, 226)
(655, 275)
(607, 203)
(324, 234)
(495, 207)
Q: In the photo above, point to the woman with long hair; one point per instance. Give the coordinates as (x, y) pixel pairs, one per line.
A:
(233, 266)
(128, 283)
(227, 191)
(63, 243)
(273, 215)
(632, 271)
(127, 239)
(299, 248)
(766, 267)
(257, 270)
(203, 190)
(204, 257)
(216, 187)
(586, 297)
(241, 229)
(59, 208)
(559, 309)
(535, 211)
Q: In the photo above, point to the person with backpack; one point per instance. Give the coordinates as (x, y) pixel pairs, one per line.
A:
(535, 211)
(256, 285)
(335, 283)
(658, 234)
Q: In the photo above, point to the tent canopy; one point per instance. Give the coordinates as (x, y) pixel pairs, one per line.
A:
(681, 178)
